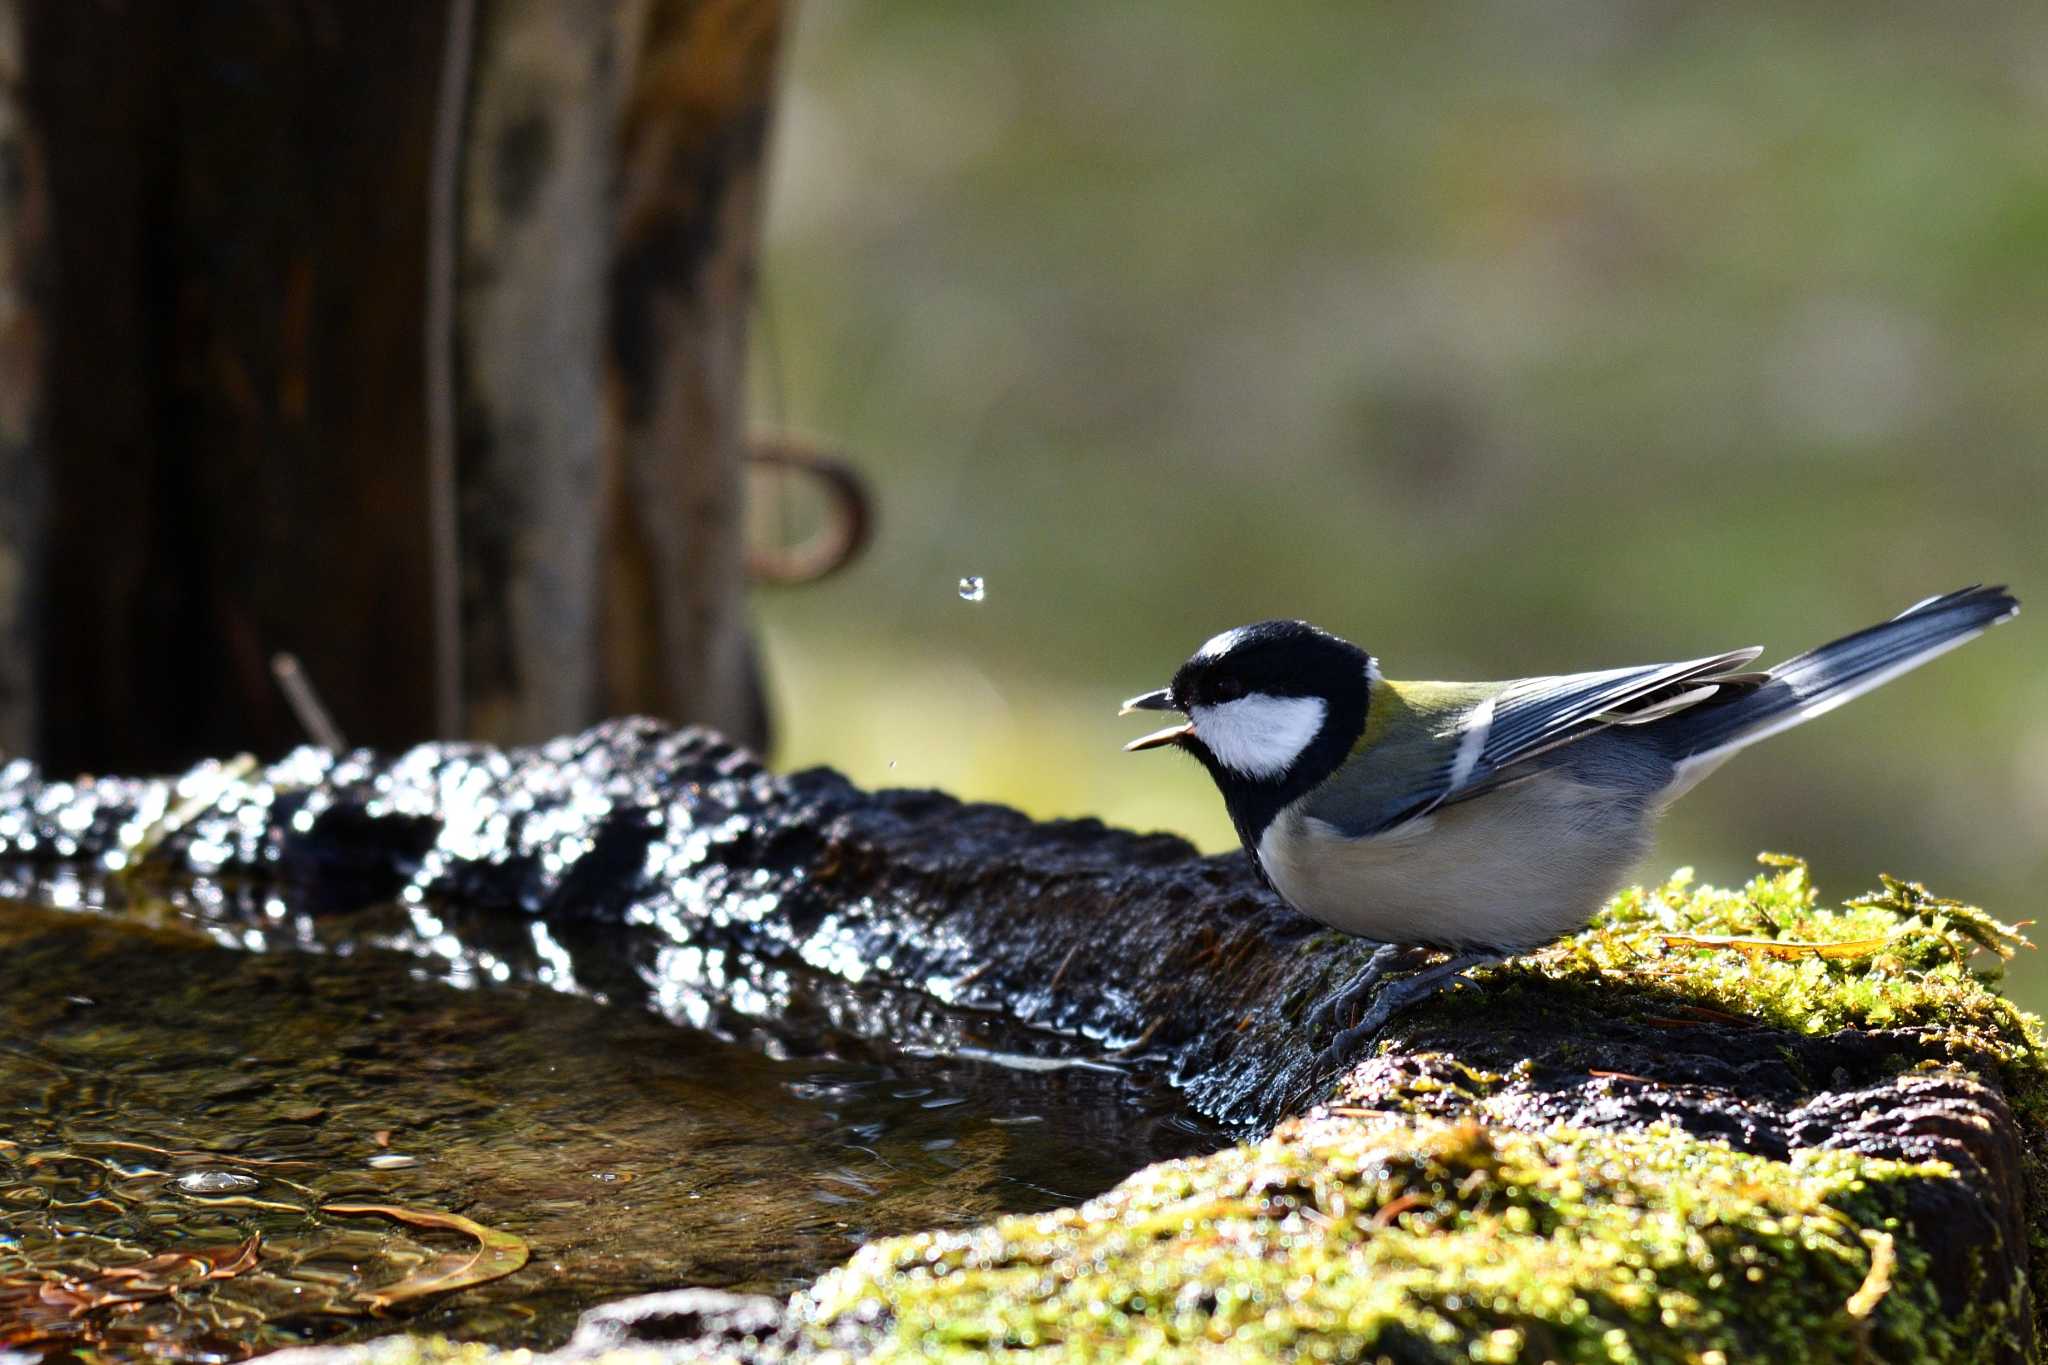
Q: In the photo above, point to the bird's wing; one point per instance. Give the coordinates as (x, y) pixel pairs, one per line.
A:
(1440, 742)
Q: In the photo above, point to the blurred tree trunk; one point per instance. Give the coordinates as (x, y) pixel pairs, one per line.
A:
(219, 274)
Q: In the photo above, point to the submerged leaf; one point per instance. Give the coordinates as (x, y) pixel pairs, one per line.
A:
(497, 1255)
(34, 1309)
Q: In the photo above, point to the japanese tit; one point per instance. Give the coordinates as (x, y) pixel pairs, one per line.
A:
(1486, 818)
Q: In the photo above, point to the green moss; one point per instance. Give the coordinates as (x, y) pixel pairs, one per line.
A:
(1899, 958)
(1361, 1235)
(1338, 1239)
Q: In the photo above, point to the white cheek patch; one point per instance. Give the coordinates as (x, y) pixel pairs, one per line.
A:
(1259, 736)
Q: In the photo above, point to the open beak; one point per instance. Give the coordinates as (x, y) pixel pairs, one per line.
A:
(1162, 700)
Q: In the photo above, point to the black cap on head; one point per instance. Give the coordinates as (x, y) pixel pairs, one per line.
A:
(1277, 658)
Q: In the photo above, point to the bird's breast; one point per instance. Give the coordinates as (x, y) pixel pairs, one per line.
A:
(1511, 869)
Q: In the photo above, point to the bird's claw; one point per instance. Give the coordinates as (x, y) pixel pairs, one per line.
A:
(1395, 998)
(1337, 1006)
(1342, 1047)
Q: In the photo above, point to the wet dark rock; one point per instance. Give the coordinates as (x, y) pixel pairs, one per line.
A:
(631, 840)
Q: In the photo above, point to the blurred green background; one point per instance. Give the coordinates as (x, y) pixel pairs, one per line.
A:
(1502, 339)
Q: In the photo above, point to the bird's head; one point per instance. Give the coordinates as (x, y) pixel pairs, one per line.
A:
(1276, 705)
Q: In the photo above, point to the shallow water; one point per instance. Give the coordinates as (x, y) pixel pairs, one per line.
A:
(179, 1117)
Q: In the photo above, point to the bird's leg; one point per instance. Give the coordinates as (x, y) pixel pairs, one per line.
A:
(1400, 996)
(1338, 1006)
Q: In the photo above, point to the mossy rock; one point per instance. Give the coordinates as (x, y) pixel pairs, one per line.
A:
(1344, 1239)
(1810, 1154)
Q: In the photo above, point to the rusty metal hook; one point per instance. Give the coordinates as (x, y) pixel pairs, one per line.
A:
(849, 525)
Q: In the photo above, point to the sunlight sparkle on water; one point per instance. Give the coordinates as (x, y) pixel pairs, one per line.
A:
(973, 589)
(215, 1182)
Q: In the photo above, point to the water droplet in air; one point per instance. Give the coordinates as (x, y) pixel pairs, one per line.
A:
(215, 1182)
(973, 589)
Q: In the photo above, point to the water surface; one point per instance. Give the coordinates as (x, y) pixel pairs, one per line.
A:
(178, 1117)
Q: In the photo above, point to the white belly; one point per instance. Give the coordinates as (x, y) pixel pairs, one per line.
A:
(1512, 869)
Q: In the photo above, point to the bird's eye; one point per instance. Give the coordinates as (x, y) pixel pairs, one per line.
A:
(1227, 689)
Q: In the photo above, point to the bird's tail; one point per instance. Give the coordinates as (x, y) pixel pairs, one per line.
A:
(1821, 679)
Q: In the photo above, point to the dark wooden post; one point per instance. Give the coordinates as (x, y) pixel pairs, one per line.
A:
(611, 208)
(691, 138)
(216, 317)
(22, 202)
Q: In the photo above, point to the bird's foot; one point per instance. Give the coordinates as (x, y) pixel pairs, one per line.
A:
(1339, 1006)
(1397, 997)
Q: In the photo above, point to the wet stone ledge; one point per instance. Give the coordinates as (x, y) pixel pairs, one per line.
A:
(1818, 1141)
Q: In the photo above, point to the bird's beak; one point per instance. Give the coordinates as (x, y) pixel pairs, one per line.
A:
(1162, 700)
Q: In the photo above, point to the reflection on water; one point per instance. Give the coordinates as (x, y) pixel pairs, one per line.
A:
(178, 1119)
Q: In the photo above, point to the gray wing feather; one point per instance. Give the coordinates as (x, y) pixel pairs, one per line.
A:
(1399, 781)
(1537, 713)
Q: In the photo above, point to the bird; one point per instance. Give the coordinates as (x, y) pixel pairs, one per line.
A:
(1485, 819)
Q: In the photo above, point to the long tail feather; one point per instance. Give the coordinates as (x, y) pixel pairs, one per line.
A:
(1819, 680)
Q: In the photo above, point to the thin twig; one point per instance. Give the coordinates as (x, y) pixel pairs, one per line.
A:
(298, 691)
(1877, 1282)
(1128, 1048)
(1061, 970)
